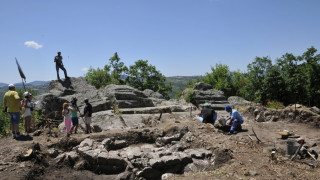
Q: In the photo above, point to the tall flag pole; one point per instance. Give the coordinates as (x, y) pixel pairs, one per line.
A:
(23, 77)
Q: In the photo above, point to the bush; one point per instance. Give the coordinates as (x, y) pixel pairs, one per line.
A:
(190, 97)
(274, 104)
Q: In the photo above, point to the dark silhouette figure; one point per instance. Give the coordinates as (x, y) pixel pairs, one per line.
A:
(59, 64)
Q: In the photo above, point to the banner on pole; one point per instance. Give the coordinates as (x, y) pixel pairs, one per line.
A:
(20, 71)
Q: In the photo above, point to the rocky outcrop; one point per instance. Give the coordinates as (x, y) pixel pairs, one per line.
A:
(131, 100)
(236, 101)
(124, 96)
(64, 90)
(301, 115)
(203, 93)
(138, 159)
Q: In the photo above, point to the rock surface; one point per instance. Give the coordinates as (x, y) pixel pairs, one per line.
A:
(203, 93)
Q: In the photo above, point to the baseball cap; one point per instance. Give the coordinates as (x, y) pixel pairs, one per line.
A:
(206, 104)
(11, 85)
(227, 107)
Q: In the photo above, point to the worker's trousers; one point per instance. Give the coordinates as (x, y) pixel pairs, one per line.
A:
(235, 124)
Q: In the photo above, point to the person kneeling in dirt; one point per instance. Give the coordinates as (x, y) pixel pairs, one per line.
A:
(207, 114)
(87, 115)
(235, 120)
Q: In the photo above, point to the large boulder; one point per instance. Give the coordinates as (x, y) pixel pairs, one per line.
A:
(203, 93)
(236, 100)
(126, 97)
(64, 90)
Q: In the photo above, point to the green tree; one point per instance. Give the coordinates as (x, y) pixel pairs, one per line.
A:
(219, 78)
(274, 85)
(238, 83)
(312, 69)
(4, 121)
(292, 73)
(256, 74)
(144, 76)
(118, 69)
(99, 77)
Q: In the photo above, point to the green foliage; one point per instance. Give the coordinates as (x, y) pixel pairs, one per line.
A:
(4, 121)
(144, 76)
(179, 83)
(116, 110)
(177, 94)
(274, 105)
(256, 73)
(219, 78)
(99, 77)
(118, 69)
(141, 75)
(190, 96)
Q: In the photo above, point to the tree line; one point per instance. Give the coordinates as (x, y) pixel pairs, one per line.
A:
(141, 75)
(291, 79)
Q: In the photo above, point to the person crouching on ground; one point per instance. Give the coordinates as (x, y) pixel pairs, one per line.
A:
(67, 119)
(87, 115)
(27, 115)
(74, 118)
(207, 114)
(235, 120)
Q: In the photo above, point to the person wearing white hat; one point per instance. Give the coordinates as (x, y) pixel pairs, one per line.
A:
(12, 105)
(27, 115)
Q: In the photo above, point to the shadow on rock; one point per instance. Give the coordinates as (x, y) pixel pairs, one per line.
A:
(66, 83)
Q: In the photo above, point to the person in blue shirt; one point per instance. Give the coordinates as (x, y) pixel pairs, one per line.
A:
(235, 120)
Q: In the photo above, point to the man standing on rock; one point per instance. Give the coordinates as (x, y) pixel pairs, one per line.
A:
(87, 115)
(235, 120)
(207, 114)
(59, 64)
(13, 106)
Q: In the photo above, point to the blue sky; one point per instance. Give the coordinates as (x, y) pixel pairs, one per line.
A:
(179, 37)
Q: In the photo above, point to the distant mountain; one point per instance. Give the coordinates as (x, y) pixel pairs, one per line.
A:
(3, 84)
(39, 87)
(33, 83)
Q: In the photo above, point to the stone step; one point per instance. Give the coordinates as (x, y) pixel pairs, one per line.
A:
(156, 110)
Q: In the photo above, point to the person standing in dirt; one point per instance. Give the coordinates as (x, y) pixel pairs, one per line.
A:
(67, 119)
(27, 115)
(235, 120)
(13, 106)
(207, 114)
(87, 111)
(59, 64)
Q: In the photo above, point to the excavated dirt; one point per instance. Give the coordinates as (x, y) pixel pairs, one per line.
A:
(237, 156)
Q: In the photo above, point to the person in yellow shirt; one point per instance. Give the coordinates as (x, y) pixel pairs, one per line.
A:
(12, 104)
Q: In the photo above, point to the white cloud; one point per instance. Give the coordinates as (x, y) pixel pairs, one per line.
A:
(85, 69)
(33, 44)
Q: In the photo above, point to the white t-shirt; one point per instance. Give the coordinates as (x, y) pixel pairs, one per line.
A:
(28, 110)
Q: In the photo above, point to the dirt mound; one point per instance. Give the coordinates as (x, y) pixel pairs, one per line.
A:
(294, 114)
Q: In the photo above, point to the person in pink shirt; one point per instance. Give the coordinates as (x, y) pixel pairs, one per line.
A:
(67, 119)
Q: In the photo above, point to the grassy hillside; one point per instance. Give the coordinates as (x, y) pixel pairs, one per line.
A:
(180, 82)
